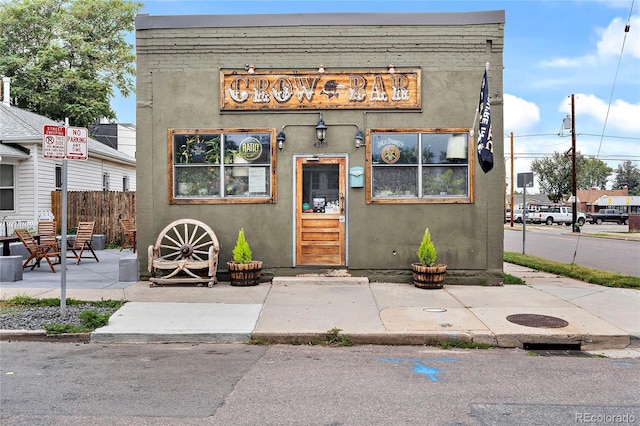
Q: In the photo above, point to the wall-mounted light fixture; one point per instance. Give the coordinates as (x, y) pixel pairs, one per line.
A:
(281, 138)
(359, 138)
(321, 133)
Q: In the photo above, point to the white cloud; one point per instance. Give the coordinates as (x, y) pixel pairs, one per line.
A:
(622, 116)
(562, 63)
(611, 39)
(608, 46)
(519, 115)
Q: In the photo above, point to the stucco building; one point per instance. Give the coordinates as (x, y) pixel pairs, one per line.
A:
(332, 139)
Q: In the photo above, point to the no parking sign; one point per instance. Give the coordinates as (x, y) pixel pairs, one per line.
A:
(65, 142)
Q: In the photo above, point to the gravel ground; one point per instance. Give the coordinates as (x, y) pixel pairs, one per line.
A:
(36, 318)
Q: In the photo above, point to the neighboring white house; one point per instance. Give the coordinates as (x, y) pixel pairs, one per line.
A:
(27, 178)
(120, 136)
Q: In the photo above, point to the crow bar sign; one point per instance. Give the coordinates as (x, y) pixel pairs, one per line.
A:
(296, 90)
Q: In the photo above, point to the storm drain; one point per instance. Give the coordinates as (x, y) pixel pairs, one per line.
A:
(538, 321)
(555, 349)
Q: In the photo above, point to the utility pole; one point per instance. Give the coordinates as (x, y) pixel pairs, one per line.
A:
(574, 212)
(512, 206)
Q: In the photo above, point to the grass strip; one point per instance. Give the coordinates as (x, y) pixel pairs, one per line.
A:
(582, 273)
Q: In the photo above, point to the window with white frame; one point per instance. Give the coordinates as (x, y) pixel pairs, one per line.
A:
(7, 188)
(105, 181)
(419, 166)
(221, 166)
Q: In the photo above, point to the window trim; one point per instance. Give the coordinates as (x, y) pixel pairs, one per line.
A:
(270, 199)
(13, 187)
(369, 199)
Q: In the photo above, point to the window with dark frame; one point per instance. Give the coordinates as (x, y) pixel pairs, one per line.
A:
(58, 177)
(7, 188)
(213, 166)
(105, 181)
(419, 166)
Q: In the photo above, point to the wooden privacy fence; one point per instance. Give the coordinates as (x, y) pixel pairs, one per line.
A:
(106, 208)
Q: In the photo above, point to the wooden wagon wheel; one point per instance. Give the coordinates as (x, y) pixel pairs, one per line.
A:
(185, 244)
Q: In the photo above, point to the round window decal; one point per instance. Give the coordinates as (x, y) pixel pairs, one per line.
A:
(390, 154)
(250, 148)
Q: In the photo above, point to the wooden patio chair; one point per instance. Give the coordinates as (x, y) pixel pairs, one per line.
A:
(48, 230)
(37, 252)
(130, 233)
(84, 233)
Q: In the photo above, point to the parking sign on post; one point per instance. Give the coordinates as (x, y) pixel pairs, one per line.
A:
(65, 142)
(53, 145)
(76, 143)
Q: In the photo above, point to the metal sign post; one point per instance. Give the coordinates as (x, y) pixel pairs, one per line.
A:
(64, 142)
(525, 180)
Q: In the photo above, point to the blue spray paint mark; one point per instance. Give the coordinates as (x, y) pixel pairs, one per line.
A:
(427, 371)
(420, 367)
(623, 363)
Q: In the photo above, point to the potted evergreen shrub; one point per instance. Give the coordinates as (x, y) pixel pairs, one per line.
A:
(244, 271)
(427, 273)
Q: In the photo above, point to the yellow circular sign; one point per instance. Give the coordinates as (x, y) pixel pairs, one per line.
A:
(389, 154)
(250, 148)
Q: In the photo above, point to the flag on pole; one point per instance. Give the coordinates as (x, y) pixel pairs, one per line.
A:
(485, 138)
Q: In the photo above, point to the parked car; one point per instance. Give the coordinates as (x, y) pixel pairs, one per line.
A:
(557, 214)
(608, 215)
(517, 216)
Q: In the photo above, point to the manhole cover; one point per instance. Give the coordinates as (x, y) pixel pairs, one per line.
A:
(539, 321)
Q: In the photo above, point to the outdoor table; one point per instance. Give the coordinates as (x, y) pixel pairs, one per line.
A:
(6, 241)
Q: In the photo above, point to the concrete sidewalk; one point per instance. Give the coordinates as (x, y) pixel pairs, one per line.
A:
(301, 309)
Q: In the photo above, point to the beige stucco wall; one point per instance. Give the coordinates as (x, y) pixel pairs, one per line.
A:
(178, 87)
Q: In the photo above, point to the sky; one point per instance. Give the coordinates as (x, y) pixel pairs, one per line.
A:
(552, 49)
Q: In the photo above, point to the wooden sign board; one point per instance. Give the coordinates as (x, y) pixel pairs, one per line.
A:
(300, 90)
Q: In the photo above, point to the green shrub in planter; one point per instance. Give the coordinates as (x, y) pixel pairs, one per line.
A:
(242, 252)
(427, 253)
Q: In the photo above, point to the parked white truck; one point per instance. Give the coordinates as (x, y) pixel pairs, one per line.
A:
(556, 214)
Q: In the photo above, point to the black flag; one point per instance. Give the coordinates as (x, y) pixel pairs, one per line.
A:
(485, 138)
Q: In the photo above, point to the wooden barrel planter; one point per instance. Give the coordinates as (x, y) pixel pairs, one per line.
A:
(245, 274)
(428, 277)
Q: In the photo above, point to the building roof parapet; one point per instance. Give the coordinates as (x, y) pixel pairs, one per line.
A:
(149, 22)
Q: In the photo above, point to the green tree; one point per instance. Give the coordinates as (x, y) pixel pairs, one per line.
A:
(65, 57)
(555, 176)
(592, 173)
(627, 174)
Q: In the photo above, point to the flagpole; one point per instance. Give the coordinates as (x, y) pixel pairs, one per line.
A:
(475, 118)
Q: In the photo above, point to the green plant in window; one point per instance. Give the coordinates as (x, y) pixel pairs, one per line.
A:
(445, 183)
(198, 180)
(185, 152)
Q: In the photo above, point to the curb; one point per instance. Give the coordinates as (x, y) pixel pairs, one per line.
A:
(42, 336)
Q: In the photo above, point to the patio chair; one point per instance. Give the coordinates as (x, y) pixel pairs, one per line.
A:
(37, 251)
(84, 233)
(130, 234)
(47, 230)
